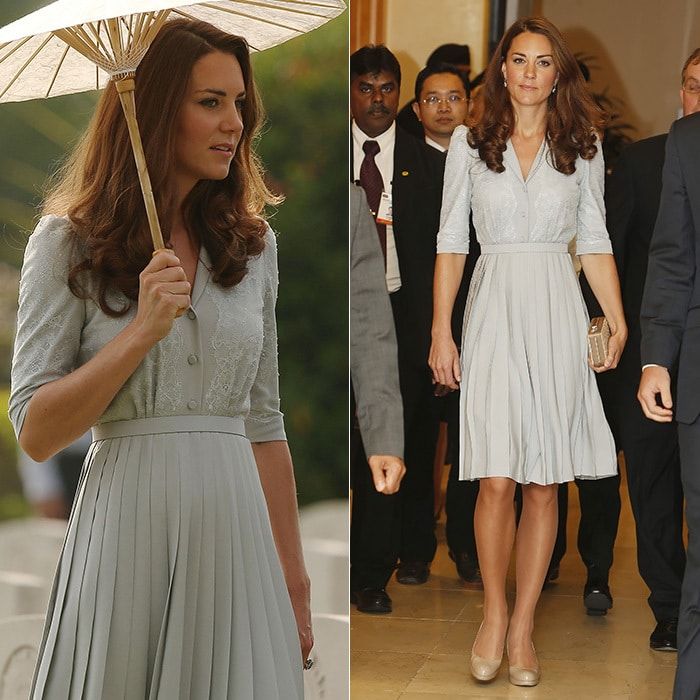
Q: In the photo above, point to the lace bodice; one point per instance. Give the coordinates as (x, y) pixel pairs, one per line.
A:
(547, 207)
(220, 358)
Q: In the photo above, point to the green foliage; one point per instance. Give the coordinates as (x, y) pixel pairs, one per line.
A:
(304, 88)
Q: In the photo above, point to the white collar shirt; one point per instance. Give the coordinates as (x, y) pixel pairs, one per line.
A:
(435, 145)
(385, 162)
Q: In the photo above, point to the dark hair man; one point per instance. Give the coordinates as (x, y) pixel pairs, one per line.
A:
(441, 102)
(456, 55)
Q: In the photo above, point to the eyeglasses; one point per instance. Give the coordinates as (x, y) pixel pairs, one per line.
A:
(692, 87)
(434, 100)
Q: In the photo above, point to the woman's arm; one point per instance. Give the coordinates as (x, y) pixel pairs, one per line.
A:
(60, 411)
(444, 358)
(277, 477)
(601, 274)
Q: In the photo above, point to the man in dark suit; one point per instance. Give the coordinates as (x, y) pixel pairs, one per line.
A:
(403, 181)
(651, 449)
(670, 320)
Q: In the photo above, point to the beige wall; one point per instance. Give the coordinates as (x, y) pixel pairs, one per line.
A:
(639, 46)
(415, 27)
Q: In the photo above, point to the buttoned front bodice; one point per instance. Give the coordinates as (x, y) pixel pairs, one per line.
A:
(220, 357)
(548, 206)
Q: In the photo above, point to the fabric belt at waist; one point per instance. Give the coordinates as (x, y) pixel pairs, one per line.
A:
(526, 247)
(169, 424)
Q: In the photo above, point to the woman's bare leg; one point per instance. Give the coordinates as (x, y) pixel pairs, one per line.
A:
(494, 527)
(537, 531)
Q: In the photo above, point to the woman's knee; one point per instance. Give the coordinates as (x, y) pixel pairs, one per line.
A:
(497, 489)
(540, 496)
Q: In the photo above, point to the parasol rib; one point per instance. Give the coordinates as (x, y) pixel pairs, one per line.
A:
(58, 68)
(253, 17)
(142, 20)
(129, 27)
(87, 39)
(115, 40)
(76, 42)
(26, 63)
(306, 3)
(18, 45)
(95, 29)
(267, 6)
(157, 23)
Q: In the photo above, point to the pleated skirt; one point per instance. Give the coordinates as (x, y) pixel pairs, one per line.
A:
(169, 584)
(530, 409)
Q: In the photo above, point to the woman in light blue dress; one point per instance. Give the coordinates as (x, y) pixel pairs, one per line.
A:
(181, 574)
(531, 173)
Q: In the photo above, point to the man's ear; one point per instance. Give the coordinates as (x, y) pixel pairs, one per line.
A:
(416, 110)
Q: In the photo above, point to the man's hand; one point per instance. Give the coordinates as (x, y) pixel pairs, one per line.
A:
(656, 381)
(387, 472)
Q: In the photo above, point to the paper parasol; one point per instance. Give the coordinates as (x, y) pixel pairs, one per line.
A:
(75, 45)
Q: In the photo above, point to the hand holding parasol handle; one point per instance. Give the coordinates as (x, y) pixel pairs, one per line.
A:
(125, 88)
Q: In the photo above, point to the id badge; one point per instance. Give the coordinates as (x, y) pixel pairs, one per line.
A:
(384, 215)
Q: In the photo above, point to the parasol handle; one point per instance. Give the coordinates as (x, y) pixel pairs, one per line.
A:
(125, 88)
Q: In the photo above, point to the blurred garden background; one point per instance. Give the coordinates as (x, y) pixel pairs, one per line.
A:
(304, 87)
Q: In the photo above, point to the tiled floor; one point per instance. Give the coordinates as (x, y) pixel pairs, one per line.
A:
(420, 651)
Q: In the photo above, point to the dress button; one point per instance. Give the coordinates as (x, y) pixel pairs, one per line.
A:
(192, 359)
(191, 315)
(192, 404)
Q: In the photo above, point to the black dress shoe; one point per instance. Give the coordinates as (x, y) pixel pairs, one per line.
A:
(467, 568)
(412, 573)
(663, 638)
(372, 600)
(597, 598)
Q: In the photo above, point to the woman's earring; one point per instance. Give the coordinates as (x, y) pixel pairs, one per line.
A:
(505, 83)
(554, 89)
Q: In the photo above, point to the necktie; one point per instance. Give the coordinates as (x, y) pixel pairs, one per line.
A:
(373, 185)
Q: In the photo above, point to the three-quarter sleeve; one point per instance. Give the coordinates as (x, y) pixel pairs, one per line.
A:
(49, 320)
(591, 232)
(453, 236)
(265, 421)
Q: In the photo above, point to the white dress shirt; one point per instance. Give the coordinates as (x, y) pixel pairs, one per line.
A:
(435, 144)
(385, 162)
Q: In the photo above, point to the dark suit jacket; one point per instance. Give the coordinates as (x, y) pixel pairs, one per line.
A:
(416, 198)
(670, 312)
(632, 196)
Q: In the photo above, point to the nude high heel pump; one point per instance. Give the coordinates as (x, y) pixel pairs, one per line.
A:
(484, 669)
(521, 676)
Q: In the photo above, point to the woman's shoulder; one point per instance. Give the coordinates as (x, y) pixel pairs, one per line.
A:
(53, 238)
(460, 142)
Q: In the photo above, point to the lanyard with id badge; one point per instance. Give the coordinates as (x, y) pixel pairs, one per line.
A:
(384, 211)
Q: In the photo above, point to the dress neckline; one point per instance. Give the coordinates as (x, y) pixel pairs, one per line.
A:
(515, 162)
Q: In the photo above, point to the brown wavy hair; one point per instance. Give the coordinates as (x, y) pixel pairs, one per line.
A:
(573, 118)
(98, 187)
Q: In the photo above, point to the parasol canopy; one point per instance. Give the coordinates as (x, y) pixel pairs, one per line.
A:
(71, 46)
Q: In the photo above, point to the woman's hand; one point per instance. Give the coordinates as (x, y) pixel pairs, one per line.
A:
(300, 595)
(616, 345)
(444, 361)
(164, 294)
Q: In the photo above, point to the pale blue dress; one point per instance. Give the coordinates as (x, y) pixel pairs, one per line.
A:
(169, 584)
(529, 404)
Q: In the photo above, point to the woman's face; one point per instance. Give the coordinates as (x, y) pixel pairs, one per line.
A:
(210, 120)
(529, 69)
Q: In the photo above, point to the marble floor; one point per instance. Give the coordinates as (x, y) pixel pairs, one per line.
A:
(419, 652)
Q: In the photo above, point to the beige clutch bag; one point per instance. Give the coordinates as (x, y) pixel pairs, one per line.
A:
(598, 337)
